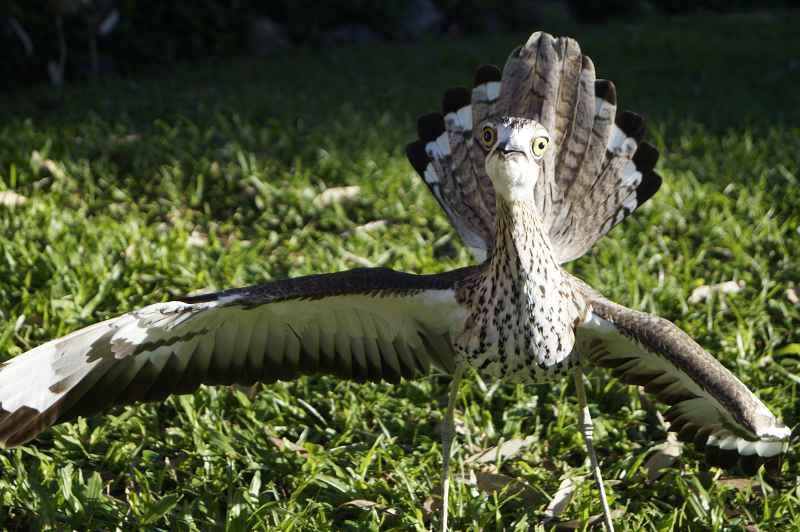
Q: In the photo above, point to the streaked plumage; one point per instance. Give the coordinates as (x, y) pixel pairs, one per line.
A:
(368, 324)
(710, 407)
(600, 172)
(517, 316)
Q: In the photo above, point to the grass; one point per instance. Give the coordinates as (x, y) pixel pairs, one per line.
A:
(202, 177)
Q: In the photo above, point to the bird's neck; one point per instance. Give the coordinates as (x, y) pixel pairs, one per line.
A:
(522, 248)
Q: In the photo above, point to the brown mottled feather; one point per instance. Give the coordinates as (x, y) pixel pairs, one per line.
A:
(590, 183)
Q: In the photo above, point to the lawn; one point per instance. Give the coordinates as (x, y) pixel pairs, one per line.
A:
(204, 176)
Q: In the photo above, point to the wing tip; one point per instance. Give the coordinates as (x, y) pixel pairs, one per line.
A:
(731, 460)
(731, 452)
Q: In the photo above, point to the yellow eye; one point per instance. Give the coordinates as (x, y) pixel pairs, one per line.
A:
(488, 136)
(538, 146)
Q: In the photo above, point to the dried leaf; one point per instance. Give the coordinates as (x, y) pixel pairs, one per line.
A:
(664, 456)
(38, 162)
(702, 293)
(562, 497)
(431, 507)
(791, 295)
(12, 199)
(364, 504)
(580, 524)
(55, 169)
(334, 195)
(504, 451)
(742, 484)
(376, 225)
(459, 426)
(382, 260)
(494, 483)
(347, 509)
(197, 239)
(361, 261)
(283, 443)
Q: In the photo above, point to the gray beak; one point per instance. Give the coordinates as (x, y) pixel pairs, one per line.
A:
(507, 148)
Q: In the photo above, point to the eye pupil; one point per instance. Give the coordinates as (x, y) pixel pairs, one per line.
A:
(487, 136)
(539, 145)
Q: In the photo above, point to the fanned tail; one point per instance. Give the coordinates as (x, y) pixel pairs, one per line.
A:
(452, 165)
(599, 172)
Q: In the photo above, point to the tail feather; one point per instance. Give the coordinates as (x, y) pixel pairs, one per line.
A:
(599, 172)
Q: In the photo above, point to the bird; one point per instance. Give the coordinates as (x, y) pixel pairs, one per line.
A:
(531, 166)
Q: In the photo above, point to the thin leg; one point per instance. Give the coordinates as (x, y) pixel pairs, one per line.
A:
(448, 431)
(586, 430)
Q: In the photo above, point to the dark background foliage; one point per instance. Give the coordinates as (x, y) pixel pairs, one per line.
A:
(154, 32)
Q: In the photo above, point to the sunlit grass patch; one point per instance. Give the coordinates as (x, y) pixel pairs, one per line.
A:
(205, 178)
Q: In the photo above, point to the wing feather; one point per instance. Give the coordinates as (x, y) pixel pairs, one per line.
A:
(368, 324)
(709, 406)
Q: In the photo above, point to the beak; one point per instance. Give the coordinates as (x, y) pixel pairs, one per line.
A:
(506, 148)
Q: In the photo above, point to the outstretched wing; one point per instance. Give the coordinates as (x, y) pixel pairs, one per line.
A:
(709, 406)
(367, 324)
(597, 172)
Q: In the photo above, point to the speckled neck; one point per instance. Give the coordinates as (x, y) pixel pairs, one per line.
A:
(521, 308)
(521, 248)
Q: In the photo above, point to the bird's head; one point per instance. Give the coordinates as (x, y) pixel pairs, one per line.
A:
(515, 149)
